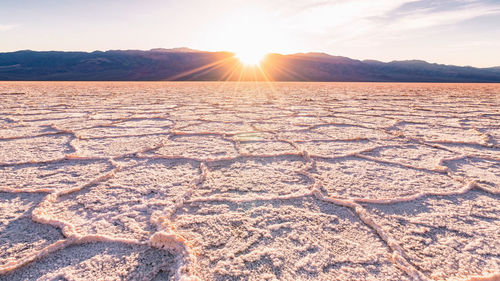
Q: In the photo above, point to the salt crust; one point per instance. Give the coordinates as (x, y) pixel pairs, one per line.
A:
(246, 181)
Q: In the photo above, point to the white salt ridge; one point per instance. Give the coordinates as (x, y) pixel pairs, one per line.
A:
(185, 182)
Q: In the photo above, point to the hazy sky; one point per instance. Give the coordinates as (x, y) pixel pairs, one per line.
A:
(465, 32)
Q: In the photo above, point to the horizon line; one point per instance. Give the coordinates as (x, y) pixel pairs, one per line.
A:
(232, 52)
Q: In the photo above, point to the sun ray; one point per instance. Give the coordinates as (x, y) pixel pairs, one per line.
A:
(202, 68)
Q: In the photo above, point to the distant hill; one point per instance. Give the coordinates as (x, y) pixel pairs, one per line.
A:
(188, 64)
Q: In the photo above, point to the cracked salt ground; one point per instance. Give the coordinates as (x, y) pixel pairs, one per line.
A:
(122, 206)
(283, 240)
(446, 237)
(249, 181)
(99, 261)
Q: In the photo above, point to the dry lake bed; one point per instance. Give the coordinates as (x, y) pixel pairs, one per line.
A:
(249, 181)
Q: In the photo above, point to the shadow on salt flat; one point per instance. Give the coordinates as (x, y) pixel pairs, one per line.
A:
(474, 150)
(283, 240)
(483, 171)
(20, 236)
(11, 130)
(446, 236)
(98, 261)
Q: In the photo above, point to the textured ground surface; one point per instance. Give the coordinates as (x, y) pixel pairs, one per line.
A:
(226, 181)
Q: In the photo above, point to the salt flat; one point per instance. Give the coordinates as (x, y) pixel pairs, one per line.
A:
(249, 181)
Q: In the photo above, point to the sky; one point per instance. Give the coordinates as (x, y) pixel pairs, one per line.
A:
(461, 32)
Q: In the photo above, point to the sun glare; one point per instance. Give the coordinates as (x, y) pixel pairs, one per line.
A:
(250, 57)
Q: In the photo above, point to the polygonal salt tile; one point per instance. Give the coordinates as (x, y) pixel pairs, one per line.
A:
(474, 150)
(253, 177)
(483, 171)
(98, 261)
(253, 136)
(258, 116)
(493, 134)
(303, 136)
(412, 154)
(446, 121)
(34, 149)
(109, 115)
(222, 117)
(348, 132)
(46, 116)
(352, 177)
(123, 205)
(325, 148)
(440, 134)
(145, 123)
(74, 124)
(306, 120)
(117, 146)
(479, 121)
(115, 131)
(283, 240)
(279, 125)
(446, 237)
(204, 147)
(20, 236)
(267, 148)
(52, 176)
(228, 127)
(372, 121)
(14, 130)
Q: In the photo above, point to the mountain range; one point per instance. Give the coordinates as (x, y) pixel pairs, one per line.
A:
(183, 64)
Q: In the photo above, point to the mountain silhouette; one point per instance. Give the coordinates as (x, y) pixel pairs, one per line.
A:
(184, 64)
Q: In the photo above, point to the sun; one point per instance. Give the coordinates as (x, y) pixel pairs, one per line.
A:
(250, 57)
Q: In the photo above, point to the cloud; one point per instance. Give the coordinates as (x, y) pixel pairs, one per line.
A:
(429, 13)
(336, 21)
(325, 16)
(5, 27)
